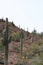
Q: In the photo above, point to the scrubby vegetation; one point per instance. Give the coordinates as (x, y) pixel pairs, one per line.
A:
(15, 36)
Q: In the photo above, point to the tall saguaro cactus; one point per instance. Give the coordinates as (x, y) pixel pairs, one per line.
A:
(21, 42)
(6, 43)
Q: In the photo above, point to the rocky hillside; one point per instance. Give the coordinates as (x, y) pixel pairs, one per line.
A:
(32, 45)
(13, 28)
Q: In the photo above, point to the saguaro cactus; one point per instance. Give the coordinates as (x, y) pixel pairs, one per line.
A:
(5, 43)
(21, 42)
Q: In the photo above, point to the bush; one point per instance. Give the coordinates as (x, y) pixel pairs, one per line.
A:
(13, 23)
(17, 48)
(18, 64)
(34, 32)
(40, 42)
(35, 63)
(15, 36)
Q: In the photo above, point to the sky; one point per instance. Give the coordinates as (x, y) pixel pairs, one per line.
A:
(26, 13)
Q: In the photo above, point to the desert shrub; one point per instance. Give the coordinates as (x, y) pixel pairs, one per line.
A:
(41, 55)
(0, 46)
(33, 49)
(35, 63)
(15, 37)
(17, 48)
(34, 32)
(40, 42)
(13, 23)
(23, 63)
(18, 64)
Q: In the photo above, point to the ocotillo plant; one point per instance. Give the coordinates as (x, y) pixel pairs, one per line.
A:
(21, 42)
(5, 43)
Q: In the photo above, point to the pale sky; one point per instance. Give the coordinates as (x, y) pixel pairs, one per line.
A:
(26, 13)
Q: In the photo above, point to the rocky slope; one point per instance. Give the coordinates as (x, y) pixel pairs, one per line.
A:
(30, 44)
